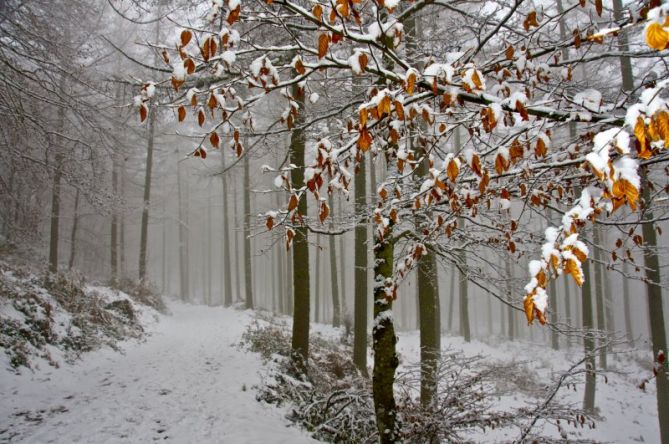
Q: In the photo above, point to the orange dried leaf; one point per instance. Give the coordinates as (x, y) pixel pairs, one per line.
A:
(292, 203)
(323, 43)
(182, 113)
(214, 140)
(452, 170)
(143, 112)
(186, 36)
(317, 11)
(656, 36)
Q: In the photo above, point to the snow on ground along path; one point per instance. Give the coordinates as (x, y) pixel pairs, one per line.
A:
(187, 383)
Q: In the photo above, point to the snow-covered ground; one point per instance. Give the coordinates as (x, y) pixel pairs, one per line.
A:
(626, 413)
(187, 382)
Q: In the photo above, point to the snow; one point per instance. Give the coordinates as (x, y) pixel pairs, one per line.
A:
(229, 57)
(188, 382)
(590, 99)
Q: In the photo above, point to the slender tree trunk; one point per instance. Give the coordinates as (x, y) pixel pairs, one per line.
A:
(184, 285)
(465, 330)
(238, 278)
(301, 284)
(317, 280)
(511, 332)
(248, 273)
(147, 195)
(342, 264)
(225, 257)
(209, 240)
(55, 214)
(599, 294)
(121, 236)
(73, 234)
(360, 272)
(114, 222)
(589, 341)
(451, 302)
(334, 287)
(657, 327)
(626, 305)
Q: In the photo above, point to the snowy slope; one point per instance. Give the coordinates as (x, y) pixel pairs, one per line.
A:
(187, 382)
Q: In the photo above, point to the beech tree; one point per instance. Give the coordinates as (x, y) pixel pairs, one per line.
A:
(496, 77)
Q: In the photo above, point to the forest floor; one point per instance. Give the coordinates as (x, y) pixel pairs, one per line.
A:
(187, 381)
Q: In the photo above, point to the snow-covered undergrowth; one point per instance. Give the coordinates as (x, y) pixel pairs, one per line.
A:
(488, 392)
(48, 319)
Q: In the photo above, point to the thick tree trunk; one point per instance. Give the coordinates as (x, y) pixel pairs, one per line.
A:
(657, 327)
(360, 273)
(384, 340)
(248, 272)
(73, 233)
(334, 287)
(301, 284)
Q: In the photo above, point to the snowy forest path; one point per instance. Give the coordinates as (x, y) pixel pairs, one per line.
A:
(188, 382)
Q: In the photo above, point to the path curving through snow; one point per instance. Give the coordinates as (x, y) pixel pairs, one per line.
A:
(188, 382)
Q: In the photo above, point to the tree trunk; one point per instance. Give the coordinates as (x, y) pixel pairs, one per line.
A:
(317, 280)
(301, 284)
(360, 272)
(183, 239)
(73, 234)
(225, 258)
(147, 194)
(511, 326)
(55, 214)
(384, 339)
(589, 341)
(248, 273)
(334, 287)
(599, 293)
(657, 327)
(451, 302)
(209, 240)
(465, 330)
(626, 305)
(114, 222)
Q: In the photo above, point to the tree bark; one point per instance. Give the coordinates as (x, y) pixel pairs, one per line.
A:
(360, 272)
(384, 340)
(184, 285)
(73, 234)
(55, 214)
(248, 272)
(589, 341)
(599, 293)
(334, 287)
(301, 284)
(657, 327)
(225, 257)
(147, 194)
